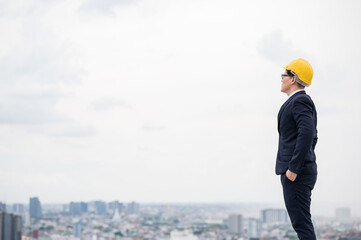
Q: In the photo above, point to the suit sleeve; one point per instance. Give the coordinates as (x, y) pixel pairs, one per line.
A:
(302, 114)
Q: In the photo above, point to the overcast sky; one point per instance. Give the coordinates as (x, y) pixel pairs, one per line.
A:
(171, 101)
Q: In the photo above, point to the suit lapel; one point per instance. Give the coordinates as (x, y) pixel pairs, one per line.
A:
(285, 105)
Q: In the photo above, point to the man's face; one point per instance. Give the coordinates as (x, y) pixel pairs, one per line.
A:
(286, 82)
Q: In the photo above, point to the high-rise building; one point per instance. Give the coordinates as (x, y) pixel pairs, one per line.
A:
(77, 229)
(253, 227)
(343, 214)
(235, 224)
(112, 206)
(35, 208)
(10, 226)
(2, 207)
(16, 227)
(6, 226)
(1, 224)
(133, 208)
(84, 207)
(100, 207)
(274, 216)
(75, 208)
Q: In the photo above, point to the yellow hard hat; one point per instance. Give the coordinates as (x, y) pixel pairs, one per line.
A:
(302, 68)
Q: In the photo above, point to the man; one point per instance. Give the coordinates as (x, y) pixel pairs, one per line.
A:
(296, 160)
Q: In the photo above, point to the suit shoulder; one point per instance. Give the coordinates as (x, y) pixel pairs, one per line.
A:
(302, 103)
(302, 98)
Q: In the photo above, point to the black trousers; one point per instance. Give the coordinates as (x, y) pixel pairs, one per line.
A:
(297, 196)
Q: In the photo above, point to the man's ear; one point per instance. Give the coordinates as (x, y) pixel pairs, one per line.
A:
(293, 80)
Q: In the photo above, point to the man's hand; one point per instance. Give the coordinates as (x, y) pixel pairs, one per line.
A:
(291, 175)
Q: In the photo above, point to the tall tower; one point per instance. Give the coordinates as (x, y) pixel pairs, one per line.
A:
(35, 208)
(235, 224)
(2, 207)
(10, 226)
(77, 229)
(133, 208)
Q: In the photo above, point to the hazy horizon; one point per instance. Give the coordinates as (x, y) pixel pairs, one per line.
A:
(248, 209)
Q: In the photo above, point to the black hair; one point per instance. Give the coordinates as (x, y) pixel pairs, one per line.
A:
(289, 73)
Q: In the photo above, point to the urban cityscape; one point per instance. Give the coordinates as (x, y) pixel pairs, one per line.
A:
(100, 220)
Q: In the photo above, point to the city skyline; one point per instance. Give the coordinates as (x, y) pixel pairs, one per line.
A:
(249, 209)
(167, 222)
(171, 101)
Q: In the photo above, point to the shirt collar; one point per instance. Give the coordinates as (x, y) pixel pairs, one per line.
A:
(295, 92)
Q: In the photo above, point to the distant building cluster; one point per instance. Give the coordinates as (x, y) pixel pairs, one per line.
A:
(100, 208)
(274, 216)
(255, 228)
(100, 220)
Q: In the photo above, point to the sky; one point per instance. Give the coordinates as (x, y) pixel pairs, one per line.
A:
(171, 101)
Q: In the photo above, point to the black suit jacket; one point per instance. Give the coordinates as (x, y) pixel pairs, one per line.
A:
(297, 128)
